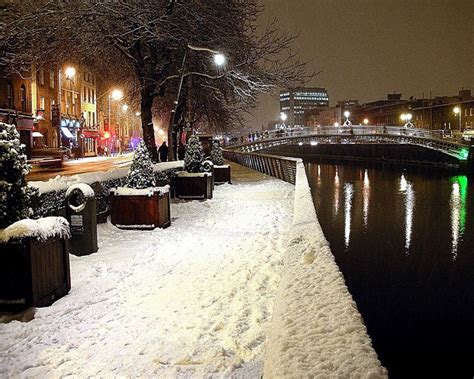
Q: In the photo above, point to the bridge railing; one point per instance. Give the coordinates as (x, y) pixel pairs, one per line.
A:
(283, 168)
(441, 135)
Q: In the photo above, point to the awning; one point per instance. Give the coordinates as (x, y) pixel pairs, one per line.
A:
(37, 135)
(66, 132)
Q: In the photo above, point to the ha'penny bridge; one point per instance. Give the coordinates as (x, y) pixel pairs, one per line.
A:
(371, 143)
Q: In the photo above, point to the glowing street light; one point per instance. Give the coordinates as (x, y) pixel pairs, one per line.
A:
(406, 117)
(366, 121)
(125, 107)
(347, 122)
(70, 72)
(457, 111)
(336, 124)
(116, 94)
(219, 59)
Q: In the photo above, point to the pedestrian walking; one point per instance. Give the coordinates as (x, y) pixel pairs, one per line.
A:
(163, 152)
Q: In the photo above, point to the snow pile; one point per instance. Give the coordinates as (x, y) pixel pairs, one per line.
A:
(41, 229)
(192, 300)
(86, 190)
(316, 329)
(125, 191)
(63, 182)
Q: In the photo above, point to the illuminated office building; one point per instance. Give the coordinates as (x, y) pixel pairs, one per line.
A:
(296, 101)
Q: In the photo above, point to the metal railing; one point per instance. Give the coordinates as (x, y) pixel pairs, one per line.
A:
(283, 168)
(452, 145)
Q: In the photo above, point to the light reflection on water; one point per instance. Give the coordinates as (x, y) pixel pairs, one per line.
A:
(348, 194)
(405, 244)
(366, 195)
(406, 189)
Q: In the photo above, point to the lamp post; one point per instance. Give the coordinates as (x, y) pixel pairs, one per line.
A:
(347, 122)
(219, 60)
(406, 118)
(283, 118)
(457, 111)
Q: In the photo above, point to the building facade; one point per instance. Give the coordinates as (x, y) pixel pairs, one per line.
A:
(52, 107)
(295, 102)
(436, 114)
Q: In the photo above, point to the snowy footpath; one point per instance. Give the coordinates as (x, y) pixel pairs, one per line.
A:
(192, 300)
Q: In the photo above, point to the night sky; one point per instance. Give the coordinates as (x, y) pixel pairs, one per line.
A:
(368, 48)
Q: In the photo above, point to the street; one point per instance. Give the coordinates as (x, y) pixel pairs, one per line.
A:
(80, 166)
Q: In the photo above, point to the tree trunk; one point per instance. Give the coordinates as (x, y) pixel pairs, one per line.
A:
(147, 123)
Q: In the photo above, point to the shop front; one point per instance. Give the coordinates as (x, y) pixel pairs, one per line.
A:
(90, 140)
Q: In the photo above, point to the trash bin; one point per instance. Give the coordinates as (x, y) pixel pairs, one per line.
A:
(81, 214)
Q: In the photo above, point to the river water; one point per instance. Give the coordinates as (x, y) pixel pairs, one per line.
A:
(404, 241)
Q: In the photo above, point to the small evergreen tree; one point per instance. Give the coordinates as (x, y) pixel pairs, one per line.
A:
(216, 154)
(141, 173)
(15, 194)
(194, 155)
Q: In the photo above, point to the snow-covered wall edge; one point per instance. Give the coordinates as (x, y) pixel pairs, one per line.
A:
(316, 329)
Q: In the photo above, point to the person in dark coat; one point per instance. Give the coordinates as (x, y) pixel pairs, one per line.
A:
(163, 152)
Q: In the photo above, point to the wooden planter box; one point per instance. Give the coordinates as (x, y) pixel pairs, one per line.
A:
(141, 211)
(193, 186)
(33, 273)
(222, 174)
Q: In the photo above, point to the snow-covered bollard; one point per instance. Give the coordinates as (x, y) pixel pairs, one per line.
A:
(81, 212)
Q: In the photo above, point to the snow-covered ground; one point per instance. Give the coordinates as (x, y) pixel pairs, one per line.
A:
(190, 300)
(316, 329)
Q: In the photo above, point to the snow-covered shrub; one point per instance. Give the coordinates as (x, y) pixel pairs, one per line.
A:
(216, 154)
(141, 171)
(15, 194)
(194, 155)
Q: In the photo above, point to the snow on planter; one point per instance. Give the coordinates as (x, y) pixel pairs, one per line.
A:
(41, 229)
(125, 191)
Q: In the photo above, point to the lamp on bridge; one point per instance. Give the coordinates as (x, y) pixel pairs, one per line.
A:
(283, 118)
(347, 122)
(457, 111)
(406, 118)
(366, 121)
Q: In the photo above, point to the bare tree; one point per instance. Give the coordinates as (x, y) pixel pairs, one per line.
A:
(143, 44)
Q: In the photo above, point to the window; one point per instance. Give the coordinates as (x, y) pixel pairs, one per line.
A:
(23, 97)
(51, 78)
(10, 96)
(42, 103)
(40, 77)
(93, 96)
(85, 93)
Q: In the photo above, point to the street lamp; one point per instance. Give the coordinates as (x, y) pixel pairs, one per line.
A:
(347, 122)
(406, 118)
(219, 60)
(457, 111)
(366, 121)
(70, 72)
(283, 118)
(125, 107)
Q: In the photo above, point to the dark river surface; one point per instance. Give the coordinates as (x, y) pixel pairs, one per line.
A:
(404, 241)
